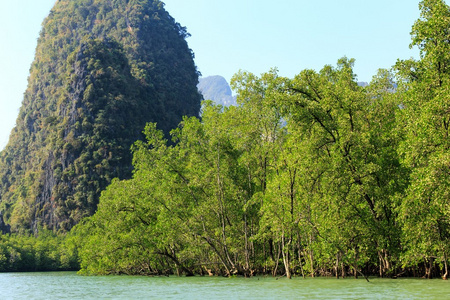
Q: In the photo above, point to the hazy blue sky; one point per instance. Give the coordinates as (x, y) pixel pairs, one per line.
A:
(228, 35)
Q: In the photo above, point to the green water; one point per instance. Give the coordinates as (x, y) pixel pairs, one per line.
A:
(68, 285)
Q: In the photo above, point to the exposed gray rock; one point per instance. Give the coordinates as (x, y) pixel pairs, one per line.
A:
(217, 89)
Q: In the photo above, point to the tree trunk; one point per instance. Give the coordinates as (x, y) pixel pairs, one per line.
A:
(285, 251)
(445, 267)
(428, 268)
(247, 252)
(174, 258)
(446, 270)
(385, 265)
(208, 271)
(223, 214)
(274, 273)
(311, 257)
(300, 255)
(337, 266)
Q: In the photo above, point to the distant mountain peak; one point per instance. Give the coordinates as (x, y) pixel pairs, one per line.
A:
(217, 89)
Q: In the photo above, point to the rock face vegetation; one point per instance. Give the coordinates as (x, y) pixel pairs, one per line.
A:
(102, 70)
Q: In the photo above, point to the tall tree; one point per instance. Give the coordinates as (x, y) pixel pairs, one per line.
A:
(258, 134)
(425, 211)
(347, 135)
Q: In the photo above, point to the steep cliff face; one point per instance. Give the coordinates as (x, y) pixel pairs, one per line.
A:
(103, 68)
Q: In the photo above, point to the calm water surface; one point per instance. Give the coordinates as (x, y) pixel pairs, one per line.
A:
(69, 285)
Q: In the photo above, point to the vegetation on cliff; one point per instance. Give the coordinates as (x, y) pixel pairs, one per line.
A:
(102, 70)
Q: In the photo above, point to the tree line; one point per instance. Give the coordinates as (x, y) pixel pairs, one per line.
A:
(307, 176)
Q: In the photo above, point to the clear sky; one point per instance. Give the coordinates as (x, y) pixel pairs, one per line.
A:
(229, 35)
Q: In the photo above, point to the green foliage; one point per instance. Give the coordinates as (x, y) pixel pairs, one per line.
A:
(241, 189)
(347, 162)
(303, 176)
(190, 202)
(102, 70)
(312, 175)
(424, 212)
(48, 252)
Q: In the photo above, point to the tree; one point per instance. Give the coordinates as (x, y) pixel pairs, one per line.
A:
(425, 120)
(258, 134)
(349, 148)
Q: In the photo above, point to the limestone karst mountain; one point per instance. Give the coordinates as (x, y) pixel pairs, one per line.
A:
(102, 69)
(216, 88)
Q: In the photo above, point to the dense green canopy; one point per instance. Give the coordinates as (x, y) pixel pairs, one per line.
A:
(311, 175)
